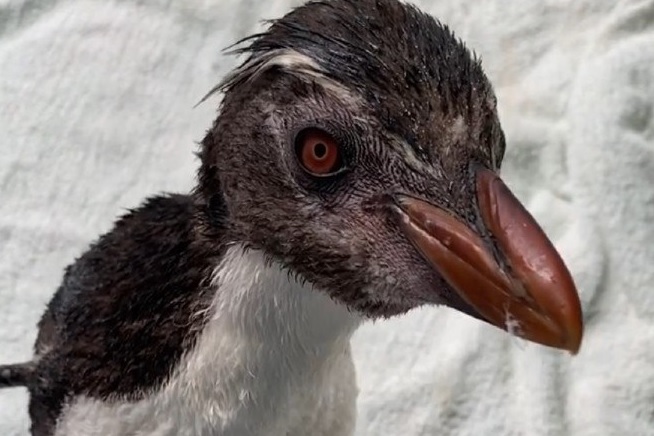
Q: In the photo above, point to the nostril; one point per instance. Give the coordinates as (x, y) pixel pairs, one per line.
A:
(379, 201)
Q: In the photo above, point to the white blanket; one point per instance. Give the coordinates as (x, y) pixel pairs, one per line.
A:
(96, 112)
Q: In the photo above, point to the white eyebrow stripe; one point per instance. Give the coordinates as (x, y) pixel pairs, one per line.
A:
(291, 62)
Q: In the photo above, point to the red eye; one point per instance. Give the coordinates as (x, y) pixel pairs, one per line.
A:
(318, 152)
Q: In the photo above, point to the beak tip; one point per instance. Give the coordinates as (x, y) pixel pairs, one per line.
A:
(575, 334)
(570, 319)
(573, 347)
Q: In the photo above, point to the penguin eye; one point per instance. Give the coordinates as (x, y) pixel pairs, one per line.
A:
(318, 152)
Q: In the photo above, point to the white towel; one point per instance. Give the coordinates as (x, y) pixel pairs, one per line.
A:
(96, 113)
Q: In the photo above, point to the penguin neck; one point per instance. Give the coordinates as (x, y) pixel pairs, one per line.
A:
(261, 304)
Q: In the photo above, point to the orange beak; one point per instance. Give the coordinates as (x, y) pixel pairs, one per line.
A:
(526, 289)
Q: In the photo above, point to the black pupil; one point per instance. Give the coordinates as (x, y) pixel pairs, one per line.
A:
(320, 150)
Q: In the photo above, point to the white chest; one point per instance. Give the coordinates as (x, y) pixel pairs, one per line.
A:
(274, 360)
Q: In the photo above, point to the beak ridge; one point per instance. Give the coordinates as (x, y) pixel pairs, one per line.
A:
(528, 291)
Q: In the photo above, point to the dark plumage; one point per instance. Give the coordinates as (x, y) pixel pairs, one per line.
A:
(409, 212)
(126, 310)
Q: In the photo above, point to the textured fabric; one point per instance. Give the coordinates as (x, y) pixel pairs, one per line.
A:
(96, 112)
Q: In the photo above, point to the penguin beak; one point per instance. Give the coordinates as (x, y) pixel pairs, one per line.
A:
(524, 288)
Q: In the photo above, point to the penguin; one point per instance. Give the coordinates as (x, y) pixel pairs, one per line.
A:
(352, 174)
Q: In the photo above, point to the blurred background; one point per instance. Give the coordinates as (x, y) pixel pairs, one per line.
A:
(96, 112)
